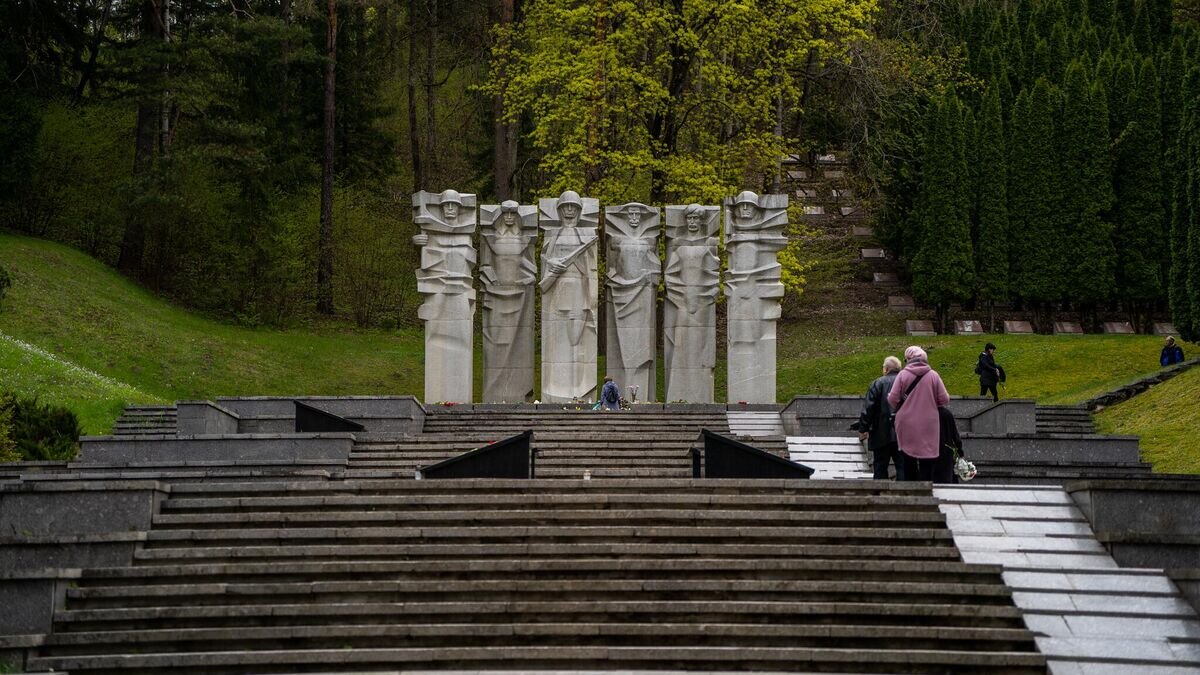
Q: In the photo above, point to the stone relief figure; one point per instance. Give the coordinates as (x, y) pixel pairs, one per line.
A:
(754, 235)
(447, 224)
(690, 310)
(508, 275)
(569, 297)
(632, 273)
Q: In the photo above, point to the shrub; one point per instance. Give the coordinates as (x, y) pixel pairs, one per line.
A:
(40, 432)
(8, 446)
(5, 284)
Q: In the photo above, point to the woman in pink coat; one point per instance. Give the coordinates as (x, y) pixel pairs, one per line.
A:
(917, 424)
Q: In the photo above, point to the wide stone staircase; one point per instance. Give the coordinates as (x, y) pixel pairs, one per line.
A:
(1064, 419)
(648, 443)
(561, 574)
(138, 420)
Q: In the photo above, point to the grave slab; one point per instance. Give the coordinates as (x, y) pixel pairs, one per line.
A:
(1018, 327)
(968, 327)
(885, 279)
(814, 210)
(848, 210)
(861, 231)
(902, 303)
(1067, 328)
(920, 327)
(1118, 328)
(1164, 328)
(872, 254)
(835, 173)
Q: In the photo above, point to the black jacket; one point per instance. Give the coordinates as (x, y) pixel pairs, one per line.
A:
(876, 415)
(987, 369)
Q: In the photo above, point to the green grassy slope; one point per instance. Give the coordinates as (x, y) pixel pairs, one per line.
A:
(29, 371)
(83, 313)
(76, 308)
(1168, 420)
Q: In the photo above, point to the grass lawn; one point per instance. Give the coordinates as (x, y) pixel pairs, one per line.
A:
(29, 371)
(85, 315)
(1168, 420)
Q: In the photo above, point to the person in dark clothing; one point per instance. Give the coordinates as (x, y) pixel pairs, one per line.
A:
(941, 470)
(610, 395)
(1171, 353)
(988, 371)
(875, 423)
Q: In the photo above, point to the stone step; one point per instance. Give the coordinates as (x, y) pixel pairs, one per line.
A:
(309, 551)
(227, 594)
(520, 501)
(591, 568)
(530, 534)
(919, 637)
(750, 517)
(551, 657)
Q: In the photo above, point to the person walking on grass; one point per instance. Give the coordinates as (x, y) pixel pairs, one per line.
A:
(875, 423)
(916, 395)
(1171, 353)
(988, 371)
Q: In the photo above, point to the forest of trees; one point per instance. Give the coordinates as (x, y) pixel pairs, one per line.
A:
(254, 158)
(1048, 173)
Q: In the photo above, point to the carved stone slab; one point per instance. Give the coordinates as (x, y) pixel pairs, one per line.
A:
(569, 297)
(901, 303)
(1118, 328)
(861, 231)
(508, 276)
(692, 274)
(872, 254)
(969, 327)
(755, 233)
(835, 173)
(1164, 328)
(885, 279)
(445, 278)
(1067, 328)
(632, 273)
(922, 327)
(1018, 327)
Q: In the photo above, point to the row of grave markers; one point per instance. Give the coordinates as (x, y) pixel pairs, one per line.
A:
(922, 327)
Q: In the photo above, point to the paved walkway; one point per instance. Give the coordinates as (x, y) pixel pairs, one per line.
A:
(1089, 615)
(831, 456)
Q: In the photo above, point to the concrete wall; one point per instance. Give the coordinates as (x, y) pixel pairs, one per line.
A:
(1076, 448)
(30, 600)
(196, 418)
(44, 509)
(833, 415)
(276, 414)
(289, 446)
(1144, 523)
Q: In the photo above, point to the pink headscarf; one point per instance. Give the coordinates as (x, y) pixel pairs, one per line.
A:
(915, 353)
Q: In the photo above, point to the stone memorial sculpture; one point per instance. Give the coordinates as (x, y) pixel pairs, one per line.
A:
(754, 235)
(633, 270)
(508, 276)
(690, 310)
(569, 289)
(445, 278)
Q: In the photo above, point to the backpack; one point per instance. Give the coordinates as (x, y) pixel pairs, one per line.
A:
(610, 393)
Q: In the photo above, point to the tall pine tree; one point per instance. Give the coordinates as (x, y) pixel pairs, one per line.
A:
(943, 269)
(1087, 193)
(991, 249)
(1138, 183)
(1034, 199)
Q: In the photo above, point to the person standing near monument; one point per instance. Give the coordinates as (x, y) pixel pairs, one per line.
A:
(569, 296)
(916, 395)
(610, 394)
(988, 371)
(875, 423)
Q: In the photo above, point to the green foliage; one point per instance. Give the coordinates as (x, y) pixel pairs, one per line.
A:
(40, 432)
(5, 284)
(943, 269)
(1138, 184)
(8, 444)
(991, 198)
(1088, 196)
(637, 100)
(1034, 197)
